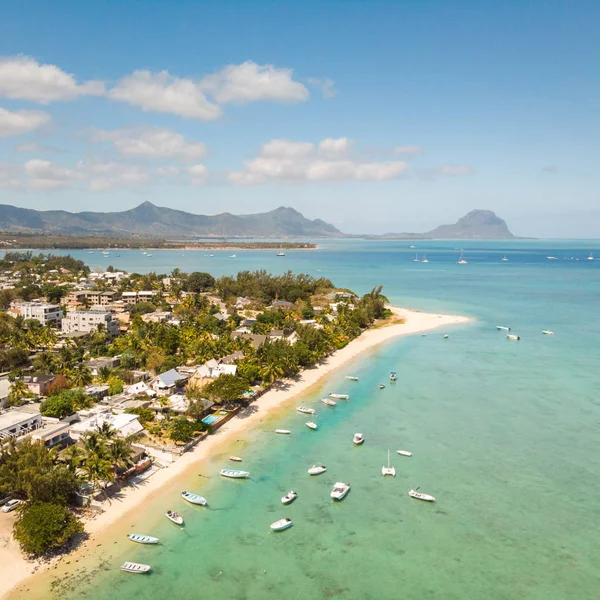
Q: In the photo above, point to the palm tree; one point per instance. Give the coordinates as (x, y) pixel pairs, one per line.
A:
(119, 453)
(270, 371)
(104, 374)
(107, 432)
(97, 469)
(18, 390)
(80, 375)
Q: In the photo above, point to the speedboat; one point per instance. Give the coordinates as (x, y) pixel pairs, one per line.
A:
(311, 425)
(174, 517)
(289, 497)
(305, 410)
(420, 496)
(381, 386)
(131, 567)
(351, 377)
(194, 498)
(233, 474)
(328, 402)
(391, 471)
(235, 458)
(340, 490)
(404, 452)
(317, 469)
(358, 439)
(513, 337)
(502, 328)
(281, 525)
(142, 539)
(548, 332)
(393, 376)
(283, 431)
(340, 396)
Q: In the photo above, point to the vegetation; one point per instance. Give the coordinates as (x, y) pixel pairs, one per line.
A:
(225, 388)
(64, 403)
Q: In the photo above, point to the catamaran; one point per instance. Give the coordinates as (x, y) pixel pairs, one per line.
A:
(142, 539)
(233, 474)
(281, 525)
(339, 491)
(131, 567)
(194, 498)
(388, 470)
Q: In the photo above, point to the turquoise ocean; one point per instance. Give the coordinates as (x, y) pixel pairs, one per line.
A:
(505, 434)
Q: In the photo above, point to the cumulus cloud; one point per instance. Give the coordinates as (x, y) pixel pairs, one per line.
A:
(250, 82)
(198, 174)
(103, 175)
(407, 150)
(45, 175)
(164, 93)
(286, 149)
(23, 78)
(325, 85)
(335, 147)
(21, 121)
(151, 142)
(455, 170)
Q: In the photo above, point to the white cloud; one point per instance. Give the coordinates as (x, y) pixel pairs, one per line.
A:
(198, 174)
(23, 78)
(242, 178)
(45, 175)
(152, 142)
(335, 147)
(168, 171)
(9, 176)
(105, 175)
(164, 93)
(250, 82)
(325, 85)
(455, 170)
(408, 150)
(286, 149)
(21, 121)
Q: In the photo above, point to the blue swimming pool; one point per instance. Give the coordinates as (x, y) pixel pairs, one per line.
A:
(210, 419)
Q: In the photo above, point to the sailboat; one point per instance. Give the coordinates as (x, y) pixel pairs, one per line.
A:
(505, 259)
(591, 256)
(281, 252)
(425, 259)
(388, 470)
(416, 259)
(461, 260)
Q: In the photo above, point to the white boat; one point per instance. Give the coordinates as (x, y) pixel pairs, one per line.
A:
(235, 459)
(210, 255)
(548, 332)
(317, 469)
(305, 410)
(311, 425)
(283, 431)
(420, 496)
(340, 396)
(142, 539)
(381, 386)
(393, 376)
(552, 258)
(339, 491)
(328, 402)
(351, 377)
(148, 255)
(281, 525)
(404, 452)
(174, 517)
(289, 497)
(513, 337)
(358, 439)
(502, 328)
(591, 256)
(505, 259)
(388, 470)
(425, 259)
(281, 252)
(232, 256)
(416, 258)
(194, 498)
(446, 336)
(462, 260)
(131, 567)
(233, 474)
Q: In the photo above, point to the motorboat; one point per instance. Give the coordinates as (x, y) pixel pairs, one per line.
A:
(340, 490)
(351, 377)
(420, 496)
(358, 439)
(194, 498)
(289, 497)
(305, 410)
(233, 474)
(340, 396)
(393, 376)
(311, 425)
(328, 402)
(391, 471)
(548, 332)
(142, 539)
(281, 525)
(283, 431)
(174, 517)
(552, 258)
(210, 255)
(513, 337)
(404, 452)
(381, 386)
(235, 459)
(131, 567)
(502, 328)
(317, 469)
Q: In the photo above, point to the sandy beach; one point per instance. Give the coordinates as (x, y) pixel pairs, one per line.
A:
(16, 569)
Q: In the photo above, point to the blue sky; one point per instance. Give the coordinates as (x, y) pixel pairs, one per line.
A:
(376, 116)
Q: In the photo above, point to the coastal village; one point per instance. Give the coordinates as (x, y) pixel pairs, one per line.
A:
(109, 377)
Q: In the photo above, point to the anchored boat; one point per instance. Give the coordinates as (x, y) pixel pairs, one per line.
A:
(289, 497)
(281, 525)
(233, 474)
(142, 539)
(131, 567)
(194, 498)
(339, 491)
(420, 496)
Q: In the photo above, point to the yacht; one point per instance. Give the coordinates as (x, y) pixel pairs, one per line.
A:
(416, 258)
(340, 490)
(462, 260)
(591, 256)
(425, 259)
(281, 252)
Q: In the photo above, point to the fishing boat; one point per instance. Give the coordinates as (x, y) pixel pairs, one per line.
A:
(328, 402)
(388, 470)
(462, 260)
(351, 377)
(502, 328)
(174, 517)
(340, 396)
(283, 431)
(358, 439)
(513, 337)
(235, 459)
(548, 332)
(317, 469)
(420, 496)
(289, 497)
(381, 386)
(233, 474)
(131, 567)
(339, 491)
(311, 425)
(194, 498)
(404, 452)
(142, 539)
(281, 525)
(393, 376)
(305, 410)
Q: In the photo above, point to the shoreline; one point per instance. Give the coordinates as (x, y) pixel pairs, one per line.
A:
(18, 570)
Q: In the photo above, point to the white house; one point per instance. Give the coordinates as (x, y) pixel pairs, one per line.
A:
(141, 387)
(45, 313)
(87, 321)
(125, 425)
(165, 383)
(16, 422)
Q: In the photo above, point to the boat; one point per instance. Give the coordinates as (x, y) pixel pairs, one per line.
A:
(131, 567)
(328, 402)
(232, 256)
(235, 459)
(548, 332)
(339, 491)
(591, 256)
(425, 259)
(289, 497)
(281, 252)
(416, 258)
(502, 328)
(210, 255)
(233, 474)
(174, 517)
(351, 377)
(305, 410)
(462, 260)
(404, 452)
(381, 386)
(311, 425)
(552, 258)
(281, 525)
(358, 439)
(148, 255)
(505, 259)
(142, 539)
(393, 376)
(513, 337)
(317, 469)
(388, 470)
(283, 431)
(446, 336)
(340, 396)
(420, 496)
(194, 498)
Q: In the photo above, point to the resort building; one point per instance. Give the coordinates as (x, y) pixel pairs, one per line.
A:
(137, 297)
(91, 298)
(46, 314)
(87, 321)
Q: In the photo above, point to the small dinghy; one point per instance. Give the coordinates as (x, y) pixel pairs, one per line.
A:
(305, 410)
(340, 396)
(391, 471)
(131, 567)
(420, 496)
(174, 517)
(233, 474)
(381, 386)
(548, 332)
(289, 497)
(351, 377)
(393, 376)
(317, 469)
(358, 439)
(340, 490)
(502, 328)
(513, 337)
(328, 402)
(311, 425)
(404, 452)
(281, 525)
(194, 498)
(142, 539)
(235, 458)
(283, 431)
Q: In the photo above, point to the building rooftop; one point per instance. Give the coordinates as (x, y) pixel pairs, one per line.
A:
(13, 417)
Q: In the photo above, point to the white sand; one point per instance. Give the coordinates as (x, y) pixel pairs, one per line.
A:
(16, 568)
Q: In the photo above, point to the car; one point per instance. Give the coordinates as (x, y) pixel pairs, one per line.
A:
(10, 505)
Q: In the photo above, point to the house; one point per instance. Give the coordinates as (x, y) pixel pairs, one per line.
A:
(126, 425)
(137, 297)
(231, 358)
(209, 371)
(5, 386)
(17, 422)
(53, 433)
(87, 321)
(281, 305)
(141, 387)
(46, 314)
(166, 383)
(98, 392)
(176, 403)
(291, 337)
(91, 298)
(95, 364)
(256, 340)
(38, 384)
(242, 302)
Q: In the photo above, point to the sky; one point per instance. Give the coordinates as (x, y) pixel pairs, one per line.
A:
(375, 116)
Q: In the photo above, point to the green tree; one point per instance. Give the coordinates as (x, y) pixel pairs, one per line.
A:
(58, 406)
(181, 430)
(80, 375)
(144, 415)
(18, 390)
(199, 282)
(225, 388)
